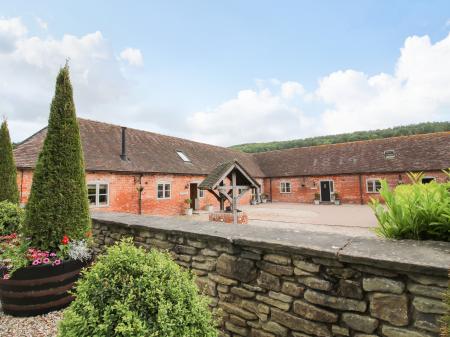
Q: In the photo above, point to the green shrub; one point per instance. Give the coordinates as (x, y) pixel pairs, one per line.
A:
(417, 211)
(8, 180)
(58, 203)
(11, 217)
(131, 292)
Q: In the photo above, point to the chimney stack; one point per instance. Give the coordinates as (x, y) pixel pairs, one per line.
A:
(123, 155)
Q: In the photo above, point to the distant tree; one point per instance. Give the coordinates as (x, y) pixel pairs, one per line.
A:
(8, 174)
(58, 203)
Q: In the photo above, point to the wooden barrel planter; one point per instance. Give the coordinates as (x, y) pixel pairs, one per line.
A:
(37, 290)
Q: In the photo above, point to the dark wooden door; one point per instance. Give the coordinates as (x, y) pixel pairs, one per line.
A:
(325, 191)
(193, 190)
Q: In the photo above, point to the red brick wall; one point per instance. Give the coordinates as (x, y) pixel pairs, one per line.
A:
(303, 189)
(124, 195)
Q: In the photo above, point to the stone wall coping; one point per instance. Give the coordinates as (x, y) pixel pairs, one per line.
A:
(429, 257)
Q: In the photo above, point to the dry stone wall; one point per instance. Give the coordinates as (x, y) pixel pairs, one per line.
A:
(262, 288)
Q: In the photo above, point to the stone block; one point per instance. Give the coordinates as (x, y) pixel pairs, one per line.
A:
(206, 286)
(345, 273)
(207, 265)
(292, 289)
(181, 249)
(275, 328)
(314, 313)
(390, 331)
(428, 322)
(196, 244)
(299, 324)
(161, 244)
(260, 333)
(241, 292)
(236, 329)
(237, 320)
(327, 262)
(429, 306)
(315, 283)
(269, 281)
(222, 280)
(236, 268)
(359, 322)
(273, 302)
(391, 308)
(209, 252)
(277, 259)
(340, 331)
(237, 310)
(334, 302)
(250, 255)
(430, 280)
(428, 291)
(374, 271)
(351, 289)
(275, 269)
(280, 297)
(307, 266)
(384, 285)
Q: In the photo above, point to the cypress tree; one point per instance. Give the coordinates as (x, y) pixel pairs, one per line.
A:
(58, 203)
(8, 174)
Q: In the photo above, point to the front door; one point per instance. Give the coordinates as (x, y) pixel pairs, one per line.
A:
(325, 191)
(193, 190)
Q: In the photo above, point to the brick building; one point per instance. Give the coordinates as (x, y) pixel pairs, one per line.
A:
(135, 171)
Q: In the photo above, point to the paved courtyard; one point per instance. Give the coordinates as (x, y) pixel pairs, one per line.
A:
(353, 220)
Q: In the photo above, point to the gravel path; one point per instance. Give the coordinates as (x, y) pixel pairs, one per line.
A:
(39, 326)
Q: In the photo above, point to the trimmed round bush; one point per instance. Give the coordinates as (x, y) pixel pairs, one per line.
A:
(11, 217)
(132, 292)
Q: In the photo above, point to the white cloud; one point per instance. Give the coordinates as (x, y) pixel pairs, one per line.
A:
(29, 67)
(41, 23)
(344, 101)
(133, 56)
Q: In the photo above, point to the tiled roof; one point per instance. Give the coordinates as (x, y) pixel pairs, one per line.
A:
(412, 153)
(149, 152)
(214, 178)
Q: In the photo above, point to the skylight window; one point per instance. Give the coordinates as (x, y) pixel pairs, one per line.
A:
(183, 156)
(389, 154)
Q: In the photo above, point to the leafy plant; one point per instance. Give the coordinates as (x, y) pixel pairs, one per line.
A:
(131, 292)
(417, 211)
(11, 217)
(58, 203)
(187, 202)
(8, 180)
(13, 255)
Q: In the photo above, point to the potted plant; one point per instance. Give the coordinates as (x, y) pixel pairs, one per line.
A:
(39, 263)
(316, 198)
(189, 209)
(264, 198)
(337, 201)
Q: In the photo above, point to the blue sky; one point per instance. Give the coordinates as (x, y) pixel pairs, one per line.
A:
(205, 64)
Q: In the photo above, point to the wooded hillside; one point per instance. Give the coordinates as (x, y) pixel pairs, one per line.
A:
(412, 129)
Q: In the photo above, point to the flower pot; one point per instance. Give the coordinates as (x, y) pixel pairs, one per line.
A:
(189, 211)
(337, 202)
(36, 290)
(316, 202)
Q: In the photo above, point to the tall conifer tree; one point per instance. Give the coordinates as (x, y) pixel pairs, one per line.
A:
(8, 174)
(58, 203)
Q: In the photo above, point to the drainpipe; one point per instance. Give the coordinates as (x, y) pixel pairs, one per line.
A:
(21, 185)
(360, 190)
(123, 154)
(140, 189)
(270, 189)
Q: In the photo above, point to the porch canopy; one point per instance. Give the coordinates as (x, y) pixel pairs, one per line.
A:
(230, 181)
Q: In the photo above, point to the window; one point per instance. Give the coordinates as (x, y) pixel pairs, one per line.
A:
(427, 180)
(98, 194)
(373, 185)
(285, 187)
(163, 191)
(201, 193)
(183, 156)
(389, 154)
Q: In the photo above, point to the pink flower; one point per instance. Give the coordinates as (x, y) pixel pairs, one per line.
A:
(52, 255)
(36, 262)
(46, 260)
(57, 262)
(6, 277)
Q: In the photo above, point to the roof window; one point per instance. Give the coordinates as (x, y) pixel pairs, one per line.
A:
(389, 154)
(183, 156)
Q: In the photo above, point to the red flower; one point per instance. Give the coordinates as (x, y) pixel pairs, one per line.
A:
(65, 240)
(88, 234)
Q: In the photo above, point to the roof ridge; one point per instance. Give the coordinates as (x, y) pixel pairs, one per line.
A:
(354, 141)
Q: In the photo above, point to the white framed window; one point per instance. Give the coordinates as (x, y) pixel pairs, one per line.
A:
(183, 156)
(285, 187)
(98, 194)
(201, 193)
(163, 191)
(373, 185)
